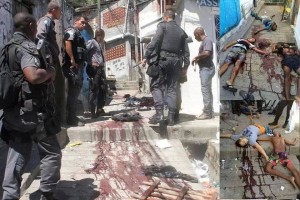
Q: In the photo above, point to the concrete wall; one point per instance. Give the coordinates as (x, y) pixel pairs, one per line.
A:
(6, 22)
(297, 30)
(245, 22)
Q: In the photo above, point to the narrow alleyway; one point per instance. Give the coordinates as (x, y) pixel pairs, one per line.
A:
(262, 75)
(242, 172)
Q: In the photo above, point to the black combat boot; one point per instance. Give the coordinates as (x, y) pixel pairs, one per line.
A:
(171, 120)
(157, 117)
(47, 196)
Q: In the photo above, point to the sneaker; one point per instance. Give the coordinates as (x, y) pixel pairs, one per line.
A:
(204, 116)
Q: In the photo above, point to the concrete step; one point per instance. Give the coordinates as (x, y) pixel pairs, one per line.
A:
(110, 130)
(127, 85)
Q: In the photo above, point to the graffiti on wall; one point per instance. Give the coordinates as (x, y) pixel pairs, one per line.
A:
(118, 65)
(5, 21)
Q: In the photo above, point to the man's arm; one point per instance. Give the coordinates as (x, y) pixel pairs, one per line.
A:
(157, 39)
(261, 150)
(259, 30)
(287, 82)
(225, 135)
(289, 143)
(260, 51)
(43, 28)
(228, 45)
(38, 75)
(69, 51)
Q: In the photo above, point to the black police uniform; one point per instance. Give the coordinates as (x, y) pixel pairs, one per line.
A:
(26, 122)
(74, 75)
(173, 45)
(46, 31)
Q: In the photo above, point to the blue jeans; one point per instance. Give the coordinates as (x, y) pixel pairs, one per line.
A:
(206, 75)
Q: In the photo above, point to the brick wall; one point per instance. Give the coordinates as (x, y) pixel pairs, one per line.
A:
(115, 52)
(114, 17)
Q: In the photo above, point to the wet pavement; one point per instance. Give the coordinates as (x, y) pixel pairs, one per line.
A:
(262, 75)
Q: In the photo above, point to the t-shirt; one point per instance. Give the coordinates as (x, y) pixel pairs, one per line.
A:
(250, 132)
(206, 45)
(243, 44)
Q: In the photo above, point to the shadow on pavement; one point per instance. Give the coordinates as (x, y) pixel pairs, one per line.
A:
(78, 189)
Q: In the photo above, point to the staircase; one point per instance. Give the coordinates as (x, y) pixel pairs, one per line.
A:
(127, 85)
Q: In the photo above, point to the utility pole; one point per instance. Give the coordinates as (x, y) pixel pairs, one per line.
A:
(136, 45)
(99, 13)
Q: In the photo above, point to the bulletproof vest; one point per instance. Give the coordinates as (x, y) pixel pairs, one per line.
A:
(174, 36)
(33, 96)
(50, 35)
(78, 46)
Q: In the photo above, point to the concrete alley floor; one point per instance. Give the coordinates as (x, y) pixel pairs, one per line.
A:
(263, 74)
(241, 177)
(126, 147)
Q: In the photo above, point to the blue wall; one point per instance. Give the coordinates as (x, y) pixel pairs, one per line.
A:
(230, 15)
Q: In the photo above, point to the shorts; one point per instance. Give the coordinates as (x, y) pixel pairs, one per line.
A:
(293, 62)
(279, 157)
(236, 53)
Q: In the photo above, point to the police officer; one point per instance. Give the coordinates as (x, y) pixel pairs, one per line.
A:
(96, 73)
(173, 44)
(25, 122)
(73, 59)
(46, 31)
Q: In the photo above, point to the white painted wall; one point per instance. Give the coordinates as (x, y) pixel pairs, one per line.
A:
(297, 30)
(192, 17)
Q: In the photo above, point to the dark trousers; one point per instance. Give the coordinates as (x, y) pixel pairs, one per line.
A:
(166, 82)
(98, 90)
(74, 88)
(281, 105)
(59, 85)
(19, 154)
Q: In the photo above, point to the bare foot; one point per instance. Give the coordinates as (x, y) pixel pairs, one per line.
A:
(292, 180)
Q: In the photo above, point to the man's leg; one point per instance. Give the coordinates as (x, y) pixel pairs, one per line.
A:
(281, 105)
(173, 73)
(295, 173)
(59, 93)
(224, 68)
(50, 163)
(270, 169)
(206, 75)
(288, 109)
(17, 158)
(74, 89)
(287, 82)
(156, 89)
(234, 72)
(178, 103)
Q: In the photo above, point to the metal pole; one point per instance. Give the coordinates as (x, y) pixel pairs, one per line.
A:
(99, 14)
(136, 45)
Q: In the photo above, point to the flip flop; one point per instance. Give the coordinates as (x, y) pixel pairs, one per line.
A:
(230, 88)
